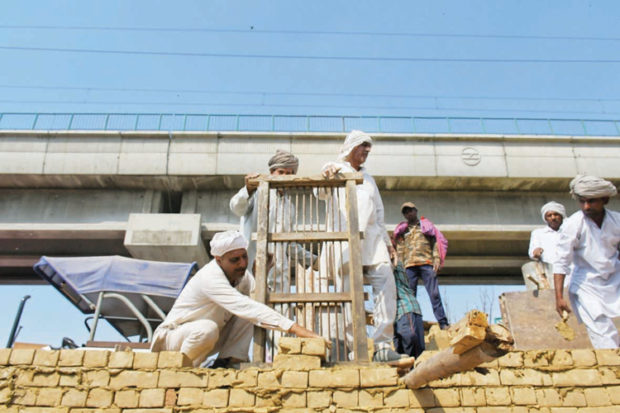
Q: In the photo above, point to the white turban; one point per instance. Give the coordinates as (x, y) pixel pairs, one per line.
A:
(591, 187)
(552, 206)
(283, 159)
(353, 139)
(224, 242)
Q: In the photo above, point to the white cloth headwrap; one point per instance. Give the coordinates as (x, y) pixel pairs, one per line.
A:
(283, 159)
(224, 242)
(587, 186)
(353, 139)
(553, 206)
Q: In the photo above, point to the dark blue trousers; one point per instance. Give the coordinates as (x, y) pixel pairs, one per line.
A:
(432, 287)
(409, 335)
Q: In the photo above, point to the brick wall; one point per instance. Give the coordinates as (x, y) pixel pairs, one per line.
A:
(75, 381)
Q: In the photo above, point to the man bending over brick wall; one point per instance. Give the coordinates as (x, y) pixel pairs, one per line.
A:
(214, 312)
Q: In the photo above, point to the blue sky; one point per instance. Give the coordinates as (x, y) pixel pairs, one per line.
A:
(555, 59)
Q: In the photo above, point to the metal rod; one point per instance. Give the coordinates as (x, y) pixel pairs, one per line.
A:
(18, 316)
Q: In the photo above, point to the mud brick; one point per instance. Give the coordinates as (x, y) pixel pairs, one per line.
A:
(295, 379)
(69, 376)
(609, 375)
(171, 397)
(296, 362)
(135, 378)
(474, 378)
(269, 379)
(370, 398)
(562, 358)
(577, 377)
(215, 398)
(498, 396)
(173, 359)
(152, 398)
(95, 358)
(240, 398)
(608, 357)
(99, 410)
(46, 358)
(597, 396)
(473, 396)
(289, 345)
(6, 394)
(348, 398)
(376, 377)
(314, 347)
(43, 410)
(537, 358)
(294, 399)
(5, 354)
(145, 360)
(21, 356)
(38, 379)
(523, 395)
(523, 377)
(451, 410)
(573, 397)
(160, 410)
(120, 360)
(126, 398)
(548, 397)
(564, 410)
(497, 409)
(71, 358)
(447, 397)
(96, 378)
(512, 359)
(74, 398)
(222, 378)
(99, 398)
(325, 378)
(247, 378)
(26, 397)
(319, 399)
(421, 398)
(397, 398)
(175, 379)
(190, 397)
(583, 358)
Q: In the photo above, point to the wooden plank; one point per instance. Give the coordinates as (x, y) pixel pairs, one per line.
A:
(287, 181)
(360, 345)
(311, 297)
(119, 344)
(260, 291)
(307, 236)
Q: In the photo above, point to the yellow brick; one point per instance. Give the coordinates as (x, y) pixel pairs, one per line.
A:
(160, 410)
(26, 397)
(126, 398)
(152, 398)
(562, 358)
(294, 399)
(397, 398)
(222, 378)
(564, 410)
(46, 357)
(172, 359)
(134, 378)
(329, 378)
(573, 397)
(548, 397)
(583, 358)
(495, 409)
(240, 398)
(289, 345)
(377, 377)
(95, 358)
(498, 396)
(295, 379)
(577, 377)
(523, 395)
(296, 362)
(38, 378)
(345, 398)
(97, 410)
(145, 360)
(69, 376)
(609, 375)
(99, 398)
(537, 358)
(597, 396)
(6, 394)
(473, 396)
(246, 378)
(43, 410)
(269, 379)
(474, 378)
(171, 397)
(319, 399)
(74, 398)
(314, 347)
(370, 398)
(121, 360)
(69, 358)
(512, 359)
(451, 410)
(421, 398)
(21, 356)
(614, 394)
(96, 378)
(447, 397)
(523, 377)
(190, 396)
(215, 398)
(5, 354)
(608, 357)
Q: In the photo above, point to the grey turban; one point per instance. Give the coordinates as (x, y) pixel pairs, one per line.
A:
(587, 186)
(284, 159)
(553, 206)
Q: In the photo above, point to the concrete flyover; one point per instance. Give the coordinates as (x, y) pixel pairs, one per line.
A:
(163, 194)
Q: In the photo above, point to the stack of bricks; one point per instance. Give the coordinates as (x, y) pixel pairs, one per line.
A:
(76, 381)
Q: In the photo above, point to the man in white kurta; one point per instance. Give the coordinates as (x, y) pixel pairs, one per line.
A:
(214, 313)
(543, 241)
(377, 250)
(590, 239)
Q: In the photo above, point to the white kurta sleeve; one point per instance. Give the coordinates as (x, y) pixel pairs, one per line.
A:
(566, 245)
(535, 242)
(380, 213)
(240, 203)
(219, 290)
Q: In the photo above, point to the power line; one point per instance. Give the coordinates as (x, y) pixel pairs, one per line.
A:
(254, 30)
(314, 94)
(304, 57)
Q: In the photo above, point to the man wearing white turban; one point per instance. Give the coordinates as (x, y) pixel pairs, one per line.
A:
(543, 241)
(377, 250)
(214, 313)
(590, 240)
